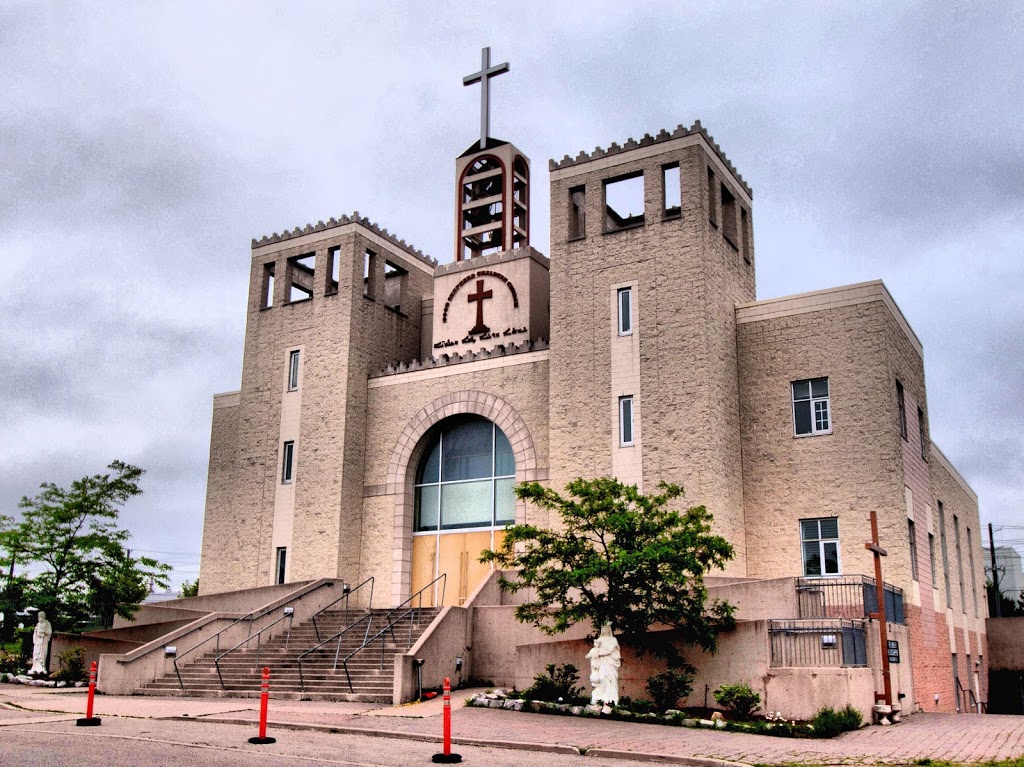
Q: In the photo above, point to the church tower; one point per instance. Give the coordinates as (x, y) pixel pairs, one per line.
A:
(651, 251)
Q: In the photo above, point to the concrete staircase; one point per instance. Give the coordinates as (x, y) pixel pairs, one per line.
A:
(241, 670)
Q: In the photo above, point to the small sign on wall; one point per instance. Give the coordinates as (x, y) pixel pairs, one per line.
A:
(894, 650)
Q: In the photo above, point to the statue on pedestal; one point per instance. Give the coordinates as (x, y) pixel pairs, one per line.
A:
(605, 660)
(41, 645)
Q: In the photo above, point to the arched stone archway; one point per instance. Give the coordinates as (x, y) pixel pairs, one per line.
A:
(406, 455)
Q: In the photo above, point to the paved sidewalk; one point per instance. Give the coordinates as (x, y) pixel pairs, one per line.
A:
(958, 738)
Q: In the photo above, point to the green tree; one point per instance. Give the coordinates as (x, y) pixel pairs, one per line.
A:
(12, 595)
(72, 535)
(189, 589)
(621, 557)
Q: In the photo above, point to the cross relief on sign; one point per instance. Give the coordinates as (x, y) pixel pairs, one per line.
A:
(483, 77)
(478, 298)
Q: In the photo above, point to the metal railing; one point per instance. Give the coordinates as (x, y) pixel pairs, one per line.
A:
(252, 617)
(411, 612)
(854, 598)
(368, 618)
(835, 643)
(346, 593)
(966, 700)
(288, 615)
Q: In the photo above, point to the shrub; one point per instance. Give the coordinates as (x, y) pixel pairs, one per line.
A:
(11, 663)
(669, 686)
(557, 682)
(738, 698)
(828, 722)
(72, 666)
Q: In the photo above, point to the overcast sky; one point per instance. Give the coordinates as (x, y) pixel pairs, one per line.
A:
(142, 146)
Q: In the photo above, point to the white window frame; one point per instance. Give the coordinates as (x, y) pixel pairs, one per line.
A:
(293, 370)
(281, 565)
(625, 315)
(287, 462)
(821, 548)
(825, 400)
(624, 421)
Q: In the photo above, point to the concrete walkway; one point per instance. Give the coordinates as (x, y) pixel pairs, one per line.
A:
(957, 738)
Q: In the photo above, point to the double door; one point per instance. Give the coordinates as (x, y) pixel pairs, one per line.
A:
(456, 554)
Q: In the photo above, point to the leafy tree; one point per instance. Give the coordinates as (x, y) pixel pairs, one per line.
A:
(72, 534)
(189, 589)
(12, 595)
(621, 557)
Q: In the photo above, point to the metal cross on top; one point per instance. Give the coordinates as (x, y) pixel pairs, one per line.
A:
(483, 77)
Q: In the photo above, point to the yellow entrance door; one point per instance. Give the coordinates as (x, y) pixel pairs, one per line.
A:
(457, 554)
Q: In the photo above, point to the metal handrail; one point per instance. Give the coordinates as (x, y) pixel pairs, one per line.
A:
(298, 661)
(443, 578)
(252, 616)
(346, 593)
(256, 636)
(967, 693)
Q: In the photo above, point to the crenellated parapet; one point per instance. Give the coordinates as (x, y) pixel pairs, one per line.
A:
(446, 360)
(331, 223)
(648, 140)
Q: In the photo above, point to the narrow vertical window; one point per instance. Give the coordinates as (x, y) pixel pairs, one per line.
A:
(287, 461)
(945, 553)
(811, 407)
(577, 213)
(921, 433)
(333, 269)
(959, 562)
(712, 199)
(625, 311)
(974, 580)
(729, 216)
(626, 420)
(745, 235)
(671, 191)
(902, 405)
(370, 274)
(267, 289)
(912, 537)
(931, 557)
(280, 564)
(293, 370)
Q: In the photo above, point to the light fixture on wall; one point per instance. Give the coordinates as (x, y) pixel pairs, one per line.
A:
(170, 651)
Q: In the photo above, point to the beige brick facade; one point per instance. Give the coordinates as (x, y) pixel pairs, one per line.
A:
(388, 353)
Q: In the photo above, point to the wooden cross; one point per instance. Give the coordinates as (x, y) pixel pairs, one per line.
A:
(883, 635)
(479, 297)
(483, 77)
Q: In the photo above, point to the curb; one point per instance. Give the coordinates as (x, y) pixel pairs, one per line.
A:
(511, 745)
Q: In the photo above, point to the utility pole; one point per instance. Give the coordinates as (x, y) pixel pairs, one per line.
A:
(995, 573)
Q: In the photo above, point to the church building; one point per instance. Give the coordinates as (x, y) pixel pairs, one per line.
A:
(389, 403)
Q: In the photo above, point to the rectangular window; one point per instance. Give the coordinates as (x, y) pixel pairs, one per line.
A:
(287, 461)
(370, 274)
(745, 235)
(293, 370)
(626, 420)
(811, 408)
(671, 191)
(577, 213)
(624, 202)
(920, 431)
(912, 536)
(974, 580)
(301, 275)
(267, 297)
(959, 562)
(729, 216)
(819, 539)
(945, 553)
(901, 404)
(712, 199)
(931, 557)
(625, 311)
(333, 269)
(279, 566)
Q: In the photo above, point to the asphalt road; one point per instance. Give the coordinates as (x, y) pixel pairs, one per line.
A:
(161, 743)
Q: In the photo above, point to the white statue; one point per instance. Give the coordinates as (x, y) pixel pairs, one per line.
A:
(605, 660)
(41, 645)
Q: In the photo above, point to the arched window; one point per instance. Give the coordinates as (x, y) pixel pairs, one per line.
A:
(465, 477)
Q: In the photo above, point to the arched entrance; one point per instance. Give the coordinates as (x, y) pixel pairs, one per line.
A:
(463, 500)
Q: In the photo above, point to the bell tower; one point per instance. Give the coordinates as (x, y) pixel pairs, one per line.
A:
(495, 292)
(492, 194)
